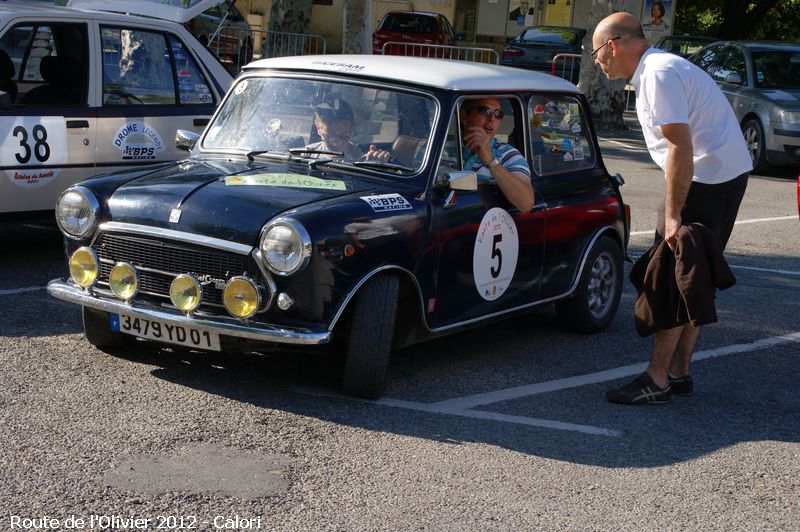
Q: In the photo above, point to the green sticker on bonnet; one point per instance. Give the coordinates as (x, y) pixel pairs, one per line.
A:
(284, 180)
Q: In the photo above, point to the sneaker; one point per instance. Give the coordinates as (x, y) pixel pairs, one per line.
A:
(682, 385)
(639, 392)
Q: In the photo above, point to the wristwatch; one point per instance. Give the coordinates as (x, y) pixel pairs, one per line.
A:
(493, 163)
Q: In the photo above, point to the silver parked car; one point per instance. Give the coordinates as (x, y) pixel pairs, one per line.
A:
(762, 82)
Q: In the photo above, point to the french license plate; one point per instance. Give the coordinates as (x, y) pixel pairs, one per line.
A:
(165, 332)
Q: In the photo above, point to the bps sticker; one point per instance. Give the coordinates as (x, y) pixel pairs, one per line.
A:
(494, 258)
(138, 141)
(387, 202)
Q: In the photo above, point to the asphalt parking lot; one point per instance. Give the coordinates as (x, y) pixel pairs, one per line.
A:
(504, 427)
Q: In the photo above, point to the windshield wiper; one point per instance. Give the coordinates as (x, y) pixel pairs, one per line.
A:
(313, 151)
(386, 165)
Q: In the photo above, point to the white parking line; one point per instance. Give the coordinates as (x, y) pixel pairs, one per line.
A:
(738, 222)
(21, 290)
(463, 406)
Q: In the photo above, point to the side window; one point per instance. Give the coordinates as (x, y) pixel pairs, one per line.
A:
(141, 68)
(455, 155)
(27, 59)
(559, 136)
(731, 62)
(192, 87)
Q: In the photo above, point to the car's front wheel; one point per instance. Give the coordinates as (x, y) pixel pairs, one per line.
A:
(594, 303)
(97, 326)
(754, 138)
(371, 336)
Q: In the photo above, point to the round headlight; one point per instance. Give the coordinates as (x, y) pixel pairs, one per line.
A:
(83, 267)
(241, 297)
(286, 247)
(77, 210)
(186, 292)
(124, 281)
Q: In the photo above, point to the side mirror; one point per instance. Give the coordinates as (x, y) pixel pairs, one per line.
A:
(463, 180)
(5, 101)
(734, 78)
(185, 140)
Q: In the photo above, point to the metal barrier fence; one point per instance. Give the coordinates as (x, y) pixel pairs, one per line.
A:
(236, 47)
(567, 66)
(441, 51)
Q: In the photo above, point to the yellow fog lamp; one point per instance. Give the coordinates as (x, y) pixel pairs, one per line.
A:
(84, 266)
(241, 297)
(124, 281)
(186, 292)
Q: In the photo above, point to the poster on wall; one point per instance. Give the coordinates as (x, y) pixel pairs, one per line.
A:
(657, 19)
(558, 13)
(520, 14)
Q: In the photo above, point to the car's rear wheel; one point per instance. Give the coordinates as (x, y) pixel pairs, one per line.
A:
(97, 326)
(594, 303)
(370, 339)
(754, 137)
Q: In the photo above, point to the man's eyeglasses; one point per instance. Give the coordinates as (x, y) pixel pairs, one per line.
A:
(488, 112)
(594, 52)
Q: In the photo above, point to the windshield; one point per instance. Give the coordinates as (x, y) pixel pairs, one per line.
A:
(323, 119)
(777, 70)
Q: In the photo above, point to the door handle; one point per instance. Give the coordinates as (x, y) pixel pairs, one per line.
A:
(201, 122)
(77, 124)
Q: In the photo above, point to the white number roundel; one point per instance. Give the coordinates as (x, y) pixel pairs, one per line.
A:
(494, 258)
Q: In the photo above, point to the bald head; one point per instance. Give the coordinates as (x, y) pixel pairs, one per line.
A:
(618, 44)
(623, 24)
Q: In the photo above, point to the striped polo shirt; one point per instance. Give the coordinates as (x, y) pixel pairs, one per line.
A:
(508, 156)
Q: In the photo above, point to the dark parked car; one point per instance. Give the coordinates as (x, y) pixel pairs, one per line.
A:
(762, 82)
(259, 240)
(684, 45)
(408, 28)
(537, 46)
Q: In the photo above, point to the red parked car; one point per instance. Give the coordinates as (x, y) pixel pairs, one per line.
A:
(408, 28)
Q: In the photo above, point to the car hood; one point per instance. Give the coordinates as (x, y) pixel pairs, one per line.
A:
(231, 200)
(789, 98)
(180, 11)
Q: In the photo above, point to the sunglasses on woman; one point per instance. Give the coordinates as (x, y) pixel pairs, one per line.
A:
(488, 112)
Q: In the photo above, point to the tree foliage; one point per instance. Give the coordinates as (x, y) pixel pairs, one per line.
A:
(739, 19)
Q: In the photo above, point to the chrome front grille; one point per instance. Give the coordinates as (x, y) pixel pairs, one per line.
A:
(159, 261)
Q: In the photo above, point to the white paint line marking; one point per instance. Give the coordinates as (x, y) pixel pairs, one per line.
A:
(738, 222)
(767, 270)
(21, 290)
(471, 401)
(432, 408)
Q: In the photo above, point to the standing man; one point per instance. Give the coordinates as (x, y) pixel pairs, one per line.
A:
(692, 134)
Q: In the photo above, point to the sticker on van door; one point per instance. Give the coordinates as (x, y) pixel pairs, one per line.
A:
(31, 142)
(138, 141)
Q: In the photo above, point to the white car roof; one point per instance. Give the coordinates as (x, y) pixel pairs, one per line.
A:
(180, 11)
(439, 73)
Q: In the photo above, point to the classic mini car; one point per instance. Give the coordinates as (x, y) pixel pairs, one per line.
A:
(761, 80)
(262, 238)
(86, 90)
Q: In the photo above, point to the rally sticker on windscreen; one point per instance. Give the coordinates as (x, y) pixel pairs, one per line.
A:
(387, 202)
(284, 180)
(494, 258)
(32, 141)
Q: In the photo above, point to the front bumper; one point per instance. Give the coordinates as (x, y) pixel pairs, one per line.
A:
(231, 327)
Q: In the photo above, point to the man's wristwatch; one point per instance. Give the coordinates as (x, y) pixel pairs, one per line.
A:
(493, 163)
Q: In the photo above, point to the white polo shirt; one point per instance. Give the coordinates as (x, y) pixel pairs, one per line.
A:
(672, 90)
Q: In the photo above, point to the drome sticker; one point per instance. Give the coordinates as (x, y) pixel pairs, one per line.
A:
(387, 202)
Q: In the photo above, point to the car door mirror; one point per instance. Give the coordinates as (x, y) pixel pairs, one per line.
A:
(5, 101)
(733, 78)
(185, 140)
(463, 180)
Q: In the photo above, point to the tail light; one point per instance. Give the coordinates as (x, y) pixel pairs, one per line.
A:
(513, 52)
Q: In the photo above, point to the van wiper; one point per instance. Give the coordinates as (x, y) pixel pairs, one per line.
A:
(384, 165)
